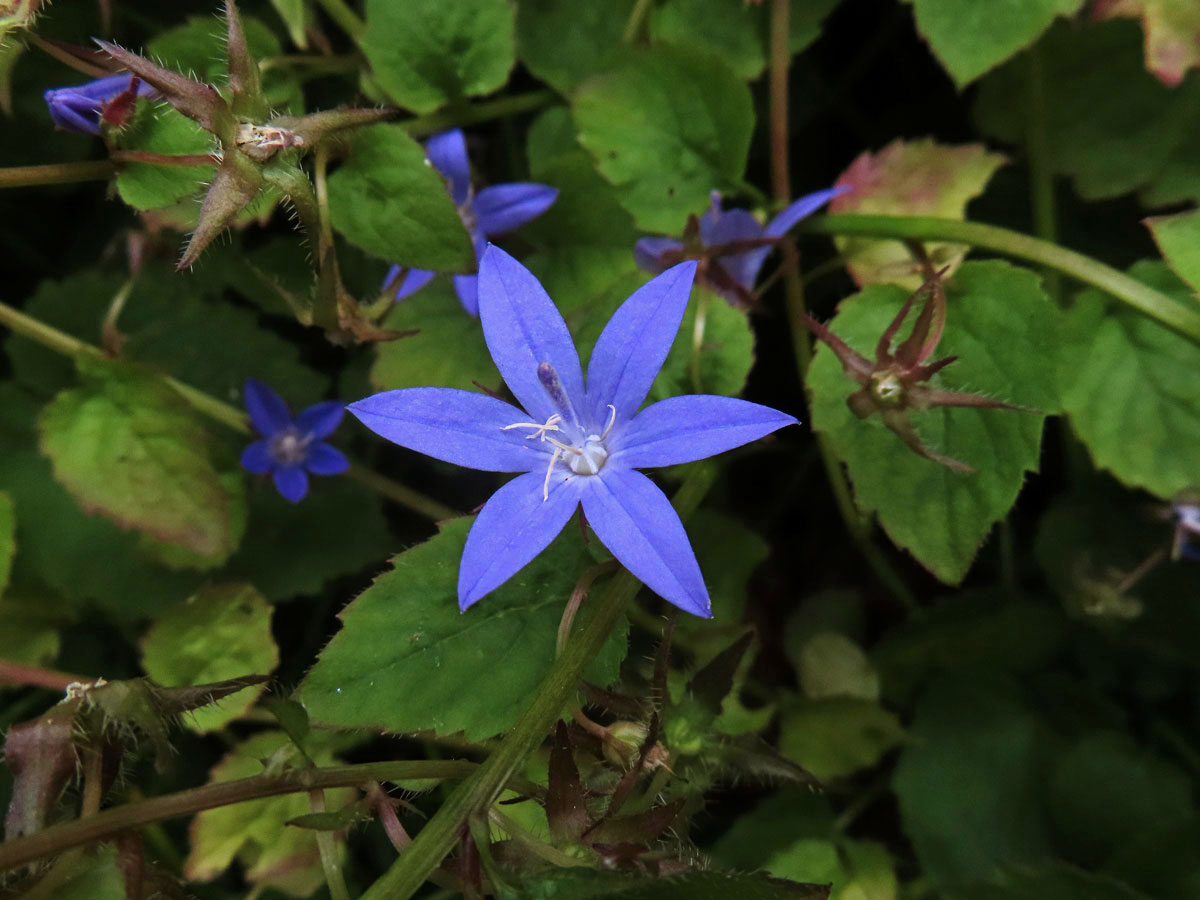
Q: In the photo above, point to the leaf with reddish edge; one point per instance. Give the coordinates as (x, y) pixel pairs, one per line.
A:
(1172, 29)
(915, 178)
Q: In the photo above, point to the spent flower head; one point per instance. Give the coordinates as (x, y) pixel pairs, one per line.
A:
(731, 245)
(81, 108)
(289, 448)
(491, 212)
(575, 442)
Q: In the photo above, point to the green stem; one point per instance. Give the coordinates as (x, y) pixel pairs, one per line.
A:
(1140, 296)
(346, 18)
(327, 848)
(34, 676)
(473, 114)
(478, 792)
(57, 173)
(185, 803)
(637, 19)
(205, 404)
(857, 525)
(1041, 175)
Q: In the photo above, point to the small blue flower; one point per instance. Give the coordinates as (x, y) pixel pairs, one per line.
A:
(731, 274)
(77, 109)
(290, 446)
(574, 444)
(494, 211)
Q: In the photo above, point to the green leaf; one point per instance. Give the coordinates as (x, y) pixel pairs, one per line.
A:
(427, 53)
(1114, 127)
(254, 832)
(725, 348)
(29, 628)
(858, 870)
(8, 538)
(387, 200)
(1127, 387)
(564, 44)
(805, 22)
(792, 813)
(222, 632)
(1178, 237)
(832, 665)
(579, 884)
(969, 38)
(1003, 329)
(1105, 787)
(128, 446)
(89, 876)
(164, 131)
(1172, 33)
(449, 351)
(476, 670)
(917, 178)
(666, 128)
(730, 29)
(837, 736)
(972, 768)
(1047, 881)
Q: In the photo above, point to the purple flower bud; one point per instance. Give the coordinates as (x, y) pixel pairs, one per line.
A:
(77, 109)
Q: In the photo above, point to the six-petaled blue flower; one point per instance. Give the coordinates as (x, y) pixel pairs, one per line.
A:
(78, 108)
(734, 243)
(494, 211)
(575, 444)
(290, 448)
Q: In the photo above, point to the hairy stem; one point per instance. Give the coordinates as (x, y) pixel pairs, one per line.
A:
(1136, 294)
(58, 173)
(327, 848)
(205, 404)
(478, 792)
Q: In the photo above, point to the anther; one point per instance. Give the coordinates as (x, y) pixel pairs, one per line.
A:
(550, 381)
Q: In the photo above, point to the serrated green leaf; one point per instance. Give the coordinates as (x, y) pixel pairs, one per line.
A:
(224, 631)
(427, 53)
(914, 178)
(667, 128)
(1178, 237)
(448, 351)
(973, 766)
(1172, 30)
(564, 44)
(387, 200)
(1128, 389)
(1003, 329)
(161, 129)
(593, 885)
(969, 38)
(730, 29)
(254, 832)
(476, 670)
(128, 446)
(836, 736)
(1114, 126)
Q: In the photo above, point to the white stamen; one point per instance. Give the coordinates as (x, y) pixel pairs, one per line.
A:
(540, 432)
(586, 460)
(612, 419)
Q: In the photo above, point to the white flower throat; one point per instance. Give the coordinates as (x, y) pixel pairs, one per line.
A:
(290, 447)
(586, 457)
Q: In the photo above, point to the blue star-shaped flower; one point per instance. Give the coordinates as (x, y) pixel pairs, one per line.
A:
(78, 108)
(291, 448)
(575, 444)
(494, 211)
(734, 244)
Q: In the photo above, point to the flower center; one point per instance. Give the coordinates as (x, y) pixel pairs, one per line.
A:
(290, 447)
(887, 388)
(586, 459)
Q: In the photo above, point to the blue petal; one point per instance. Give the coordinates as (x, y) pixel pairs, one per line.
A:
(321, 419)
(268, 412)
(291, 482)
(505, 207)
(460, 427)
(523, 329)
(108, 87)
(799, 209)
(736, 225)
(467, 288)
(635, 342)
(691, 427)
(322, 459)
(513, 527)
(637, 523)
(648, 252)
(69, 112)
(448, 153)
(257, 458)
(413, 281)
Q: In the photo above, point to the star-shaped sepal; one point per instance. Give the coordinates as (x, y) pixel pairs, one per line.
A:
(898, 380)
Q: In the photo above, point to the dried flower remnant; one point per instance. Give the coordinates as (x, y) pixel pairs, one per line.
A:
(731, 245)
(896, 381)
(575, 445)
(494, 211)
(290, 448)
(81, 109)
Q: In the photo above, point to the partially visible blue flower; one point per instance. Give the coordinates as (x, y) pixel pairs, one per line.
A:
(494, 211)
(290, 448)
(78, 108)
(574, 444)
(732, 242)
(1186, 545)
